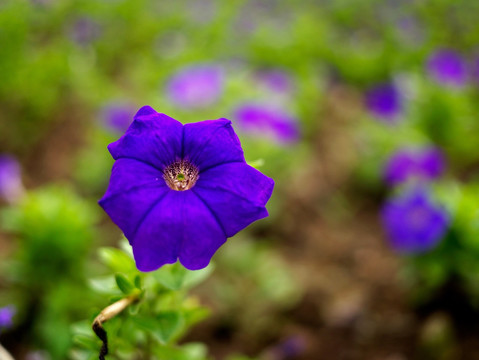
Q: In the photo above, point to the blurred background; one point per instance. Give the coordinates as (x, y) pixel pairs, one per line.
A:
(365, 112)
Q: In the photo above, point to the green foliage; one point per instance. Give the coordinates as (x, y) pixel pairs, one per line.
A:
(154, 324)
(54, 229)
(455, 259)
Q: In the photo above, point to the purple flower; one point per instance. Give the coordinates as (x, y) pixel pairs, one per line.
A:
(6, 317)
(118, 116)
(413, 223)
(384, 101)
(275, 80)
(425, 164)
(269, 121)
(11, 187)
(447, 67)
(179, 191)
(290, 348)
(84, 30)
(196, 86)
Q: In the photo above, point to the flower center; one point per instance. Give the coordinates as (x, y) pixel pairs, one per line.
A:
(181, 175)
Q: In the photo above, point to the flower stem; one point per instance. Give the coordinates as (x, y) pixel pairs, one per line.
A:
(106, 314)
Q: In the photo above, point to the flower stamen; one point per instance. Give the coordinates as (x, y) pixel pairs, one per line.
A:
(181, 175)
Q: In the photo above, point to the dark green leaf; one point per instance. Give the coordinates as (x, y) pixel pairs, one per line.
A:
(124, 284)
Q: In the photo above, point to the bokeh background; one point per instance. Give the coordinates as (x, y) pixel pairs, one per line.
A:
(365, 112)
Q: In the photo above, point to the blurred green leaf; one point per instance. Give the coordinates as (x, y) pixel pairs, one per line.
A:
(124, 284)
(117, 260)
(171, 276)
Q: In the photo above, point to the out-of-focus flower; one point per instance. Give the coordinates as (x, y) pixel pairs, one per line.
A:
(275, 80)
(413, 222)
(11, 186)
(384, 101)
(447, 67)
(196, 86)
(423, 164)
(179, 191)
(6, 317)
(290, 348)
(84, 30)
(118, 116)
(264, 120)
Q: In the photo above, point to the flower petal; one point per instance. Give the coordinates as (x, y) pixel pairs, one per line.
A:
(210, 143)
(203, 235)
(160, 234)
(236, 194)
(179, 225)
(134, 188)
(152, 138)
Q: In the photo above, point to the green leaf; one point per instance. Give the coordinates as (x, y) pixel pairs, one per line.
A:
(137, 282)
(103, 285)
(190, 351)
(85, 341)
(170, 323)
(256, 163)
(117, 260)
(124, 284)
(171, 276)
(165, 326)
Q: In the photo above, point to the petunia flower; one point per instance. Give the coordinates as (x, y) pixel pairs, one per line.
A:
(384, 102)
(424, 164)
(196, 86)
(265, 120)
(11, 186)
(179, 191)
(413, 222)
(447, 67)
(6, 317)
(117, 116)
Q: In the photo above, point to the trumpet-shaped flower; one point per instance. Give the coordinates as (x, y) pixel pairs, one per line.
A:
(179, 191)
(413, 222)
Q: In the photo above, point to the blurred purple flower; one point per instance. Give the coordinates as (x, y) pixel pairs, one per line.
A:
(84, 30)
(196, 86)
(413, 223)
(6, 317)
(275, 80)
(269, 121)
(447, 67)
(405, 164)
(179, 191)
(384, 101)
(11, 187)
(118, 116)
(290, 348)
